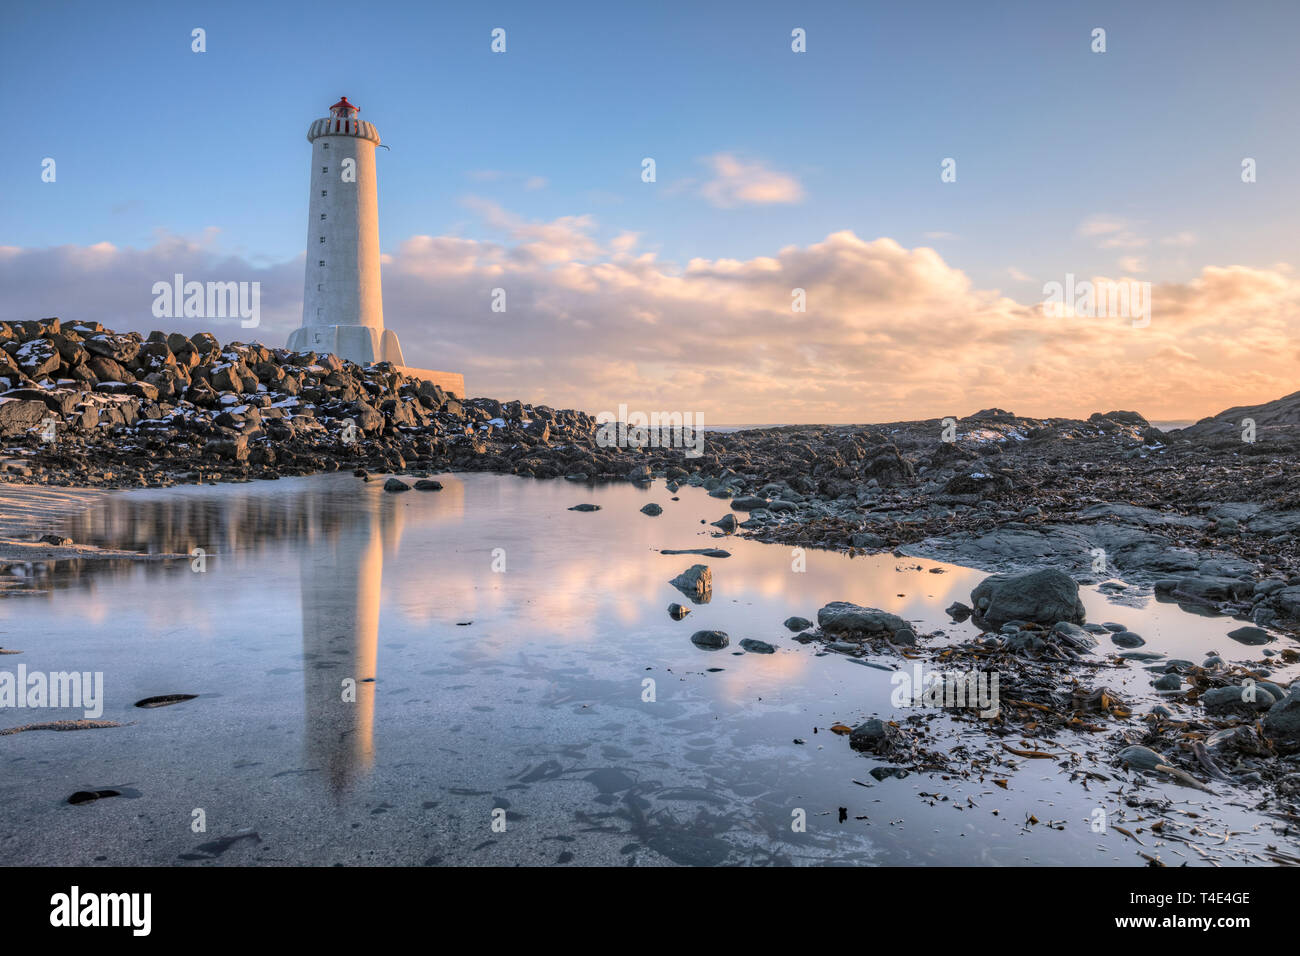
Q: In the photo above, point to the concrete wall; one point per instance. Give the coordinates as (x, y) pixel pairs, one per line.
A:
(451, 382)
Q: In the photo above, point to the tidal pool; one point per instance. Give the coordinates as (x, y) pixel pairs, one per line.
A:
(499, 645)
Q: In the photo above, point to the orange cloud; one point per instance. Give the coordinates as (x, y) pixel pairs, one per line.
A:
(888, 333)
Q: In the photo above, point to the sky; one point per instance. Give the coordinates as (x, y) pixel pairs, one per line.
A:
(775, 170)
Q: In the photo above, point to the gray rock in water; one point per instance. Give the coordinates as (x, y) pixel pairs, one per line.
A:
(958, 611)
(1140, 758)
(696, 582)
(396, 484)
(1074, 635)
(748, 503)
(842, 617)
(867, 541)
(1045, 596)
(1236, 699)
(1250, 635)
(1128, 639)
(1169, 682)
(797, 623)
(869, 735)
(727, 523)
(677, 612)
(585, 507)
(58, 540)
(757, 647)
(652, 509)
(713, 640)
(428, 484)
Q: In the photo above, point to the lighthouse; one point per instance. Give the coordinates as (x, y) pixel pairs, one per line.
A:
(343, 302)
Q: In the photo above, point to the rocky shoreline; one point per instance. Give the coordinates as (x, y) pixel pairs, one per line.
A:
(1205, 517)
(1200, 517)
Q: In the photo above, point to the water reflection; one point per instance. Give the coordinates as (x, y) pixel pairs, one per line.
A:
(536, 705)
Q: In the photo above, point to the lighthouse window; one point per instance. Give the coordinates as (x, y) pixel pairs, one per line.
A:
(324, 145)
(322, 238)
(322, 215)
(323, 192)
(324, 169)
(322, 262)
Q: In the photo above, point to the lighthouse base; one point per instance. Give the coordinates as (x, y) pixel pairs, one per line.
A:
(363, 345)
(355, 343)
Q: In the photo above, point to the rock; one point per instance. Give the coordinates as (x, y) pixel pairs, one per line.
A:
(1250, 635)
(727, 523)
(652, 509)
(1127, 639)
(235, 449)
(17, 415)
(1287, 601)
(1169, 682)
(1140, 758)
(867, 541)
(748, 503)
(757, 647)
(797, 623)
(1236, 699)
(1128, 418)
(37, 358)
(58, 540)
(1282, 722)
(1045, 596)
(696, 582)
(585, 507)
(1079, 638)
(677, 612)
(713, 640)
(428, 484)
(871, 735)
(396, 484)
(958, 611)
(845, 618)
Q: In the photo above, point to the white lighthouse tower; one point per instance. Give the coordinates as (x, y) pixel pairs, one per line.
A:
(343, 303)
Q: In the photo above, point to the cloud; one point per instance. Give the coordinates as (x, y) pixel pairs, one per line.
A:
(1017, 275)
(889, 333)
(738, 183)
(1112, 233)
(939, 234)
(1132, 264)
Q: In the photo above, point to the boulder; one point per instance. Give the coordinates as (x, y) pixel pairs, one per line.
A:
(17, 415)
(712, 640)
(1282, 722)
(1045, 596)
(842, 618)
(696, 582)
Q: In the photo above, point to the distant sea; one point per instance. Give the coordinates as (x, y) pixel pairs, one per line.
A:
(1163, 426)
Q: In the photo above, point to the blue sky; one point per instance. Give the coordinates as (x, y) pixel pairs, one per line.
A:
(149, 135)
(1120, 163)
